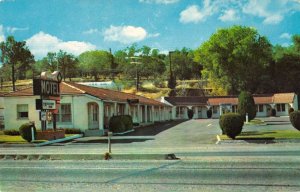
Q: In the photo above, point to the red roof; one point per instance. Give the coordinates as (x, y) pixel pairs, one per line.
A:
(187, 100)
(213, 101)
(110, 95)
(263, 99)
(70, 88)
(284, 97)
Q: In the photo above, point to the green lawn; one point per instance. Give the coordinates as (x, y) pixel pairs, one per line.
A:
(276, 134)
(19, 139)
(256, 122)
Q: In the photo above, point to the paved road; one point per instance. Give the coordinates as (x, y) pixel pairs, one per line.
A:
(206, 174)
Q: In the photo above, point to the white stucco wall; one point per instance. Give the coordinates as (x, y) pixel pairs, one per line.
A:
(10, 113)
(262, 114)
(283, 113)
(295, 103)
(216, 115)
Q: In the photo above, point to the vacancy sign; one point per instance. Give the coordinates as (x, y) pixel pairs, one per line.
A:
(45, 104)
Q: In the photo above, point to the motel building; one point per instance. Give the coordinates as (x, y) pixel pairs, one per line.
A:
(219, 105)
(83, 107)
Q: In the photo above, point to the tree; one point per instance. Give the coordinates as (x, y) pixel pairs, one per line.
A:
(235, 58)
(95, 63)
(67, 64)
(17, 55)
(184, 66)
(285, 71)
(246, 105)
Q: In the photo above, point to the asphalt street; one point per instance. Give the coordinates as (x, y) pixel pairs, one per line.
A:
(208, 174)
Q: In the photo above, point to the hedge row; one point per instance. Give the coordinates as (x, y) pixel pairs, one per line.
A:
(11, 132)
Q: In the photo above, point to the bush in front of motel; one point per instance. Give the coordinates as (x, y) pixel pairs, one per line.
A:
(127, 120)
(246, 105)
(120, 123)
(231, 124)
(12, 132)
(291, 110)
(25, 131)
(295, 119)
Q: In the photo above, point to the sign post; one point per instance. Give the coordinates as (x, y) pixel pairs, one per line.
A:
(47, 86)
(109, 135)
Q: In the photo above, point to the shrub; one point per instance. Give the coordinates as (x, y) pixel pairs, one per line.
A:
(72, 131)
(190, 113)
(127, 120)
(120, 123)
(295, 119)
(25, 131)
(209, 113)
(291, 110)
(231, 124)
(246, 105)
(11, 132)
(273, 112)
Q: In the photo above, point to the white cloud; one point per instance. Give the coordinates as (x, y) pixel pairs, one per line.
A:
(2, 37)
(229, 15)
(154, 35)
(91, 31)
(193, 14)
(125, 34)
(14, 29)
(285, 36)
(159, 1)
(41, 43)
(273, 19)
(272, 12)
(2, 1)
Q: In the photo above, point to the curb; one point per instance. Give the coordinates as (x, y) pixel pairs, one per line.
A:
(41, 144)
(85, 157)
(258, 141)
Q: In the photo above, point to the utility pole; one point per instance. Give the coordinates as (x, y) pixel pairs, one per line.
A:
(112, 65)
(136, 62)
(13, 76)
(172, 80)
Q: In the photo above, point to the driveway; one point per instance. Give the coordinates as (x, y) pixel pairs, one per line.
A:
(187, 133)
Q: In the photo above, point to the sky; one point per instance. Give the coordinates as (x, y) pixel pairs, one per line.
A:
(76, 26)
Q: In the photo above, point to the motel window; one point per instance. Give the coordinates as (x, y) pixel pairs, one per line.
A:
(121, 109)
(177, 111)
(280, 107)
(65, 114)
(260, 108)
(234, 108)
(215, 109)
(22, 111)
(107, 110)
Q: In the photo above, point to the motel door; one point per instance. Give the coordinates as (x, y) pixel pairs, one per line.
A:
(93, 115)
